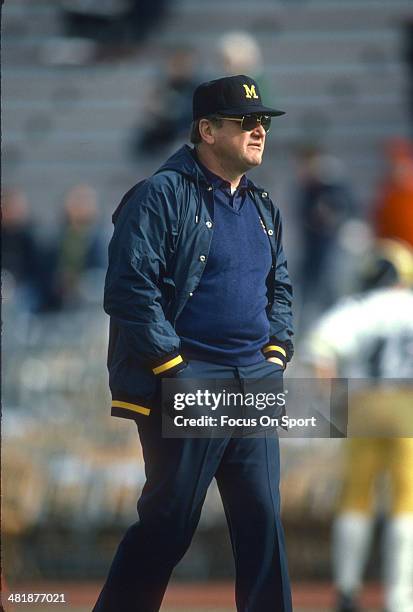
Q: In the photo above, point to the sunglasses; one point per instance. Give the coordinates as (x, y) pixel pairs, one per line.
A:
(250, 122)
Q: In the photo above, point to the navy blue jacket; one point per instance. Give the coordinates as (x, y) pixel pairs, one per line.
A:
(157, 255)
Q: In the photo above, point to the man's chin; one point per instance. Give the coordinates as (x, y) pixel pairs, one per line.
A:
(255, 160)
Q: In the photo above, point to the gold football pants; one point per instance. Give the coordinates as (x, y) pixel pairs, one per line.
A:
(369, 458)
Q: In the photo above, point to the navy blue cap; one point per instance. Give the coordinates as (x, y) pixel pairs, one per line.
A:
(234, 96)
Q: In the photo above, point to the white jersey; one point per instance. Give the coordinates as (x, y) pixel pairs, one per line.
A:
(366, 336)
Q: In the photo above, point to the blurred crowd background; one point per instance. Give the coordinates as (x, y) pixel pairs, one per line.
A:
(96, 94)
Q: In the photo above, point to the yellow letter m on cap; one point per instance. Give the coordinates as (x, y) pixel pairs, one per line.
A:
(250, 91)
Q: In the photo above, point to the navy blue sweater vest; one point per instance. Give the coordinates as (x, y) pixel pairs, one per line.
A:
(225, 320)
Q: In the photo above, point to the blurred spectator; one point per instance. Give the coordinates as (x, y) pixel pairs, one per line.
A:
(370, 336)
(240, 53)
(168, 113)
(19, 252)
(324, 203)
(79, 249)
(393, 211)
(115, 25)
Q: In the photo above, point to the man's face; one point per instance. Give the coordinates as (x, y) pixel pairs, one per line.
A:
(236, 148)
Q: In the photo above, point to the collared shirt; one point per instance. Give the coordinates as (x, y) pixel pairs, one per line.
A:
(222, 188)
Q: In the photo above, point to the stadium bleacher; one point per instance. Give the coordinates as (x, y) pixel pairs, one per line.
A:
(335, 67)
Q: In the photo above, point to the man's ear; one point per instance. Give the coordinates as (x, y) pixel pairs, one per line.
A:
(207, 131)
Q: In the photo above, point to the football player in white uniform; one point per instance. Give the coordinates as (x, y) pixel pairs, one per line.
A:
(370, 336)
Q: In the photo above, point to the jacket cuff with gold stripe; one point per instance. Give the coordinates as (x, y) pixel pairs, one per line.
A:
(279, 351)
(169, 365)
(129, 408)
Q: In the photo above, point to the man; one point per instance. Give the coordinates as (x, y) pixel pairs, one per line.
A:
(370, 336)
(197, 286)
(392, 210)
(324, 203)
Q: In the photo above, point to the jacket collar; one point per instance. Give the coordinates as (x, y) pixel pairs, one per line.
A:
(215, 179)
(184, 162)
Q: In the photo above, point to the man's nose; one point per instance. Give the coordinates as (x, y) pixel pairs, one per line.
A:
(259, 131)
